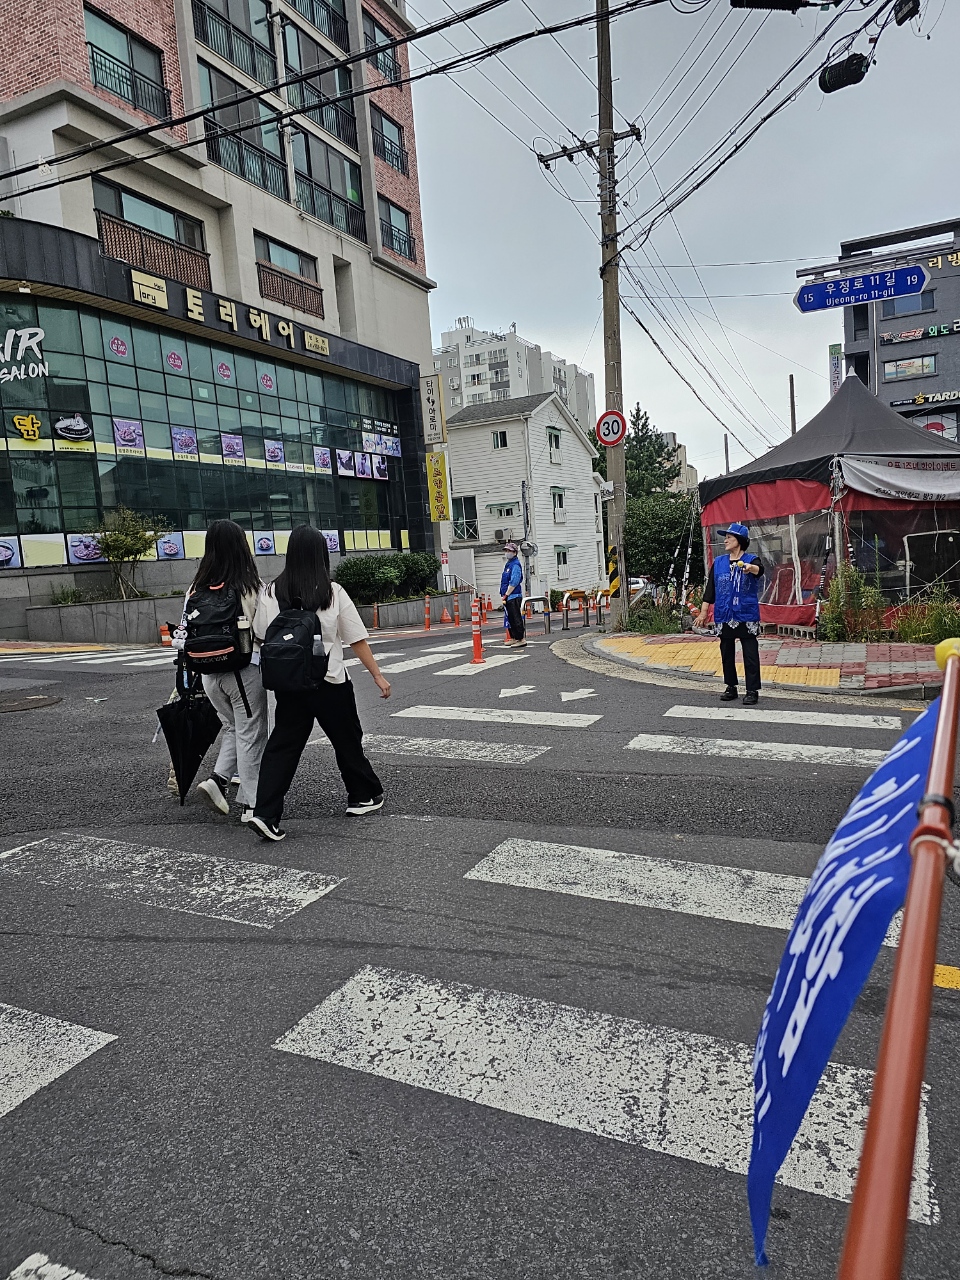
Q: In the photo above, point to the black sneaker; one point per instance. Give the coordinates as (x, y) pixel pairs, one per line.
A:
(729, 694)
(751, 698)
(213, 790)
(268, 830)
(360, 807)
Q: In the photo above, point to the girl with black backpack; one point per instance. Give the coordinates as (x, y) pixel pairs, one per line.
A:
(218, 642)
(304, 620)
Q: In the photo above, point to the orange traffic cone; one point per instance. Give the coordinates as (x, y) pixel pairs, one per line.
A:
(165, 634)
(445, 616)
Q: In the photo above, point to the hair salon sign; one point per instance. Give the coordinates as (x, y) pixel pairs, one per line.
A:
(17, 352)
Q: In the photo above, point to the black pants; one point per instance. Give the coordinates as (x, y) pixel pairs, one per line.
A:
(515, 619)
(728, 656)
(334, 707)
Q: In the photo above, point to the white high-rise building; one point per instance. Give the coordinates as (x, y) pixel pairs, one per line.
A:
(479, 366)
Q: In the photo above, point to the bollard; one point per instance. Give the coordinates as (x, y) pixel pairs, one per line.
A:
(165, 638)
(456, 608)
(477, 636)
(426, 613)
(483, 611)
(586, 614)
(547, 619)
(566, 616)
(376, 616)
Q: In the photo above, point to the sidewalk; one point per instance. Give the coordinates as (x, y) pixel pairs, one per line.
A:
(789, 663)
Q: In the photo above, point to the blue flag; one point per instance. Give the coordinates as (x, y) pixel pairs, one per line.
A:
(856, 889)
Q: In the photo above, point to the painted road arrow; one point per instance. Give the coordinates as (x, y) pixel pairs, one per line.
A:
(577, 694)
(516, 693)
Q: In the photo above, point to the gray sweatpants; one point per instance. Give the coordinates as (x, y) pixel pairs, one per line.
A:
(244, 736)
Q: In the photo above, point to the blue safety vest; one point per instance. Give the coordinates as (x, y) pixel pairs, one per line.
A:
(738, 593)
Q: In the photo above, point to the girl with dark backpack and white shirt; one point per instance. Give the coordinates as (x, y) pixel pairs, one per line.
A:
(302, 590)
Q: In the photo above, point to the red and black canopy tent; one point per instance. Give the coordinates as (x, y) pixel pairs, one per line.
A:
(885, 492)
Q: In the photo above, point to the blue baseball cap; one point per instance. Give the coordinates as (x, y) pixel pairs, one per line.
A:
(738, 531)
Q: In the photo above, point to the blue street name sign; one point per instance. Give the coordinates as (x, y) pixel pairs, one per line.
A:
(873, 286)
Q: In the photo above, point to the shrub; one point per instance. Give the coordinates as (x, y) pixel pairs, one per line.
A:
(378, 579)
(655, 617)
(854, 609)
(929, 618)
(67, 595)
(125, 537)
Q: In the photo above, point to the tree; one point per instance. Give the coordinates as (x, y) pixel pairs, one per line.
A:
(124, 538)
(651, 461)
(657, 525)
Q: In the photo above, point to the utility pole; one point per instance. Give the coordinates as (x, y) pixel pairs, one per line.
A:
(726, 453)
(603, 150)
(793, 408)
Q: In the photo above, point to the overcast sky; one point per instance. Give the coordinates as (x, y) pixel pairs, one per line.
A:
(506, 242)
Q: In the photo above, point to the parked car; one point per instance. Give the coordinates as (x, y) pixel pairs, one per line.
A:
(642, 586)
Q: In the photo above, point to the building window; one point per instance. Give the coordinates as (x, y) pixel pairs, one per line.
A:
(436, 366)
(500, 440)
(281, 255)
(453, 384)
(256, 154)
(150, 236)
(911, 367)
(147, 214)
(126, 66)
(328, 185)
(478, 398)
(466, 527)
(240, 32)
(388, 141)
(395, 230)
(553, 441)
(452, 363)
(559, 510)
(477, 379)
(287, 275)
(384, 61)
(563, 569)
(500, 394)
(302, 53)
(329, 18)
(456, 401)
(497, 353)
(473, 358)
(907, 306)
(504, 513)
(861, 322)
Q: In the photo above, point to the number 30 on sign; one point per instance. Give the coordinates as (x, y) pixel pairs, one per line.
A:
(611, 428)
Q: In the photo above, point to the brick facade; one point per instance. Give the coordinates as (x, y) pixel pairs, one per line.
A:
(396, 102)
(44, 41)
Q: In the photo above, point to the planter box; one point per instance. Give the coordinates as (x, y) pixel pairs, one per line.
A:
(103, 622)
(409, 613)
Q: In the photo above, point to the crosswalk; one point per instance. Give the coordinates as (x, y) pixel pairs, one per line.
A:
(122, 656)
(39, 1267)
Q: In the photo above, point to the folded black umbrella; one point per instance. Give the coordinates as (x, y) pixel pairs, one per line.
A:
(190, 726)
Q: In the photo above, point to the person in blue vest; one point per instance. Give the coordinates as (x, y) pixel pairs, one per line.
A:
(511, 593)
(733, 588)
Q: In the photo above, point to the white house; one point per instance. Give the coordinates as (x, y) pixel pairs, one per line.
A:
(493, 449)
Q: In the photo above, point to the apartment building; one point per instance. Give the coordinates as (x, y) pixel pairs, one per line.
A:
(478, 367)
(520, 468)
(686, 481)
(233, 324)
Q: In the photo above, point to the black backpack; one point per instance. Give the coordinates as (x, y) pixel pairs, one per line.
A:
(215, 642)
(292, 656)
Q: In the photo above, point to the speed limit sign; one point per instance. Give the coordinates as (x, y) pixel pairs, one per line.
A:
(611, 428)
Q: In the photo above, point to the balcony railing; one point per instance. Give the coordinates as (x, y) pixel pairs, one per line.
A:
(388, 150)
(256, 59)
(328, 115)
(246, 160)
(325, 19)
(116, 77)
(294, 291)
(385, 62)
(330, 208)
(152, 252)
(466, 531)
(397, 240)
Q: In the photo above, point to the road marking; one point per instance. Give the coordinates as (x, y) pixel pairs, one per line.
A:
(736, 749)
(447, 748)
(412, 664)
(674, 1092)
(39, 1267)
(946, 975)
(153, 662)
(469, 669)
(500, 715)
(251, 893)
(823, 718)
(36, 1049)
(449, 648)
(737, 894)
(355, 662)
(518, 692)
(94, 656)
(577, 695)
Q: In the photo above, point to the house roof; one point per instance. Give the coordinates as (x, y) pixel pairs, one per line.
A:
(494, 410)
(852, 421)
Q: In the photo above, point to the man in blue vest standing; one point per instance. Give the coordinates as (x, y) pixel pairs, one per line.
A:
(733, 588)
(511, 593)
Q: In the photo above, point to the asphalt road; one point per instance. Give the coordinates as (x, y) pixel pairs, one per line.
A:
(391, 1046)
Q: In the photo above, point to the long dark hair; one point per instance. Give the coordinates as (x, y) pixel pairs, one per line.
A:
(227, 559)
(305, 580)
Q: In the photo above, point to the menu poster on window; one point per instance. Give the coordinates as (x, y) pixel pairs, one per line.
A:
(345, 466)
(390, 445)
(232, 447)
(263, 543)
(333, 539)
(380, 471)
(273, 453)
(72, 432)
(10, 553)
(322, 461)
(185, 445)
(170, 547)
(83, 548)
(362, 466)
(371, 441)
(128, 437)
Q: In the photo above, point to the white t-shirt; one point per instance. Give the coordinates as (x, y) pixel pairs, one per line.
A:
(339, 625)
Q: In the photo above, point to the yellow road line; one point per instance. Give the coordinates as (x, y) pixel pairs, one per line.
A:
(946, 975)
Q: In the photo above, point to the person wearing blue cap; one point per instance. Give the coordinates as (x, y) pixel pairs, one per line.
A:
(733, 588)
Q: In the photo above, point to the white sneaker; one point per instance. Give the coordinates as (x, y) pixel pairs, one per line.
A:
(246, 813)
(365, 806)
(212, 792)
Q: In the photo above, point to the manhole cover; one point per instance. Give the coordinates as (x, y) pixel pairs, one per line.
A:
(31, 702)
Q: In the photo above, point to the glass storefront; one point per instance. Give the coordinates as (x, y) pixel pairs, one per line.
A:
(98, 411)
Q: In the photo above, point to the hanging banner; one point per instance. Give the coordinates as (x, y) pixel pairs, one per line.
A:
(437, 484)
(916, 479)
(836, 367)
(431, 402)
